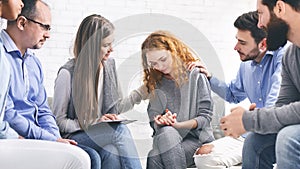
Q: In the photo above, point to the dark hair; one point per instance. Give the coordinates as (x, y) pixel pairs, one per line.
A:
(295, 4)
(248, 21)
(29, 10)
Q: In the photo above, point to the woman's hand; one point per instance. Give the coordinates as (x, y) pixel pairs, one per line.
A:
(67, 141)
(108, 117)
(168, 119)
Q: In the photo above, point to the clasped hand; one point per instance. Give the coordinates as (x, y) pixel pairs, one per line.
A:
(167, 119)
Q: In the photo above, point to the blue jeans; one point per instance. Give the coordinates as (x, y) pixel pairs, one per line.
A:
(259, 151)
(288, 147)
(114, 144)
(94, 156)
(171, 151)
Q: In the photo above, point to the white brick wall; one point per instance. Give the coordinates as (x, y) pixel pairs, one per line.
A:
(214, 18)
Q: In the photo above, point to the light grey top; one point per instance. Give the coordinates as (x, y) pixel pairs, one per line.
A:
(287, 110)
(191, 101)
(62, 96)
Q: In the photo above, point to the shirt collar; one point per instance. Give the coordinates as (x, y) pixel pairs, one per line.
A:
(268, 54)
(10, 45)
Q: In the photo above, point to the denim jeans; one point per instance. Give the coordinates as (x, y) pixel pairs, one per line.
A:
(259, 151)
(288, 147)
(94, 156)
(114, 144)
(171, 151)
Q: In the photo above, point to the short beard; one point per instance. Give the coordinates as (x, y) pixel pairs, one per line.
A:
(253, 54)
(277, 33)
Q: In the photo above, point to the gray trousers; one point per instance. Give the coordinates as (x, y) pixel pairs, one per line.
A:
(171, 150)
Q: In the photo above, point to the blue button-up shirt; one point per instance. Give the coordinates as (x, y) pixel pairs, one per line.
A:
(5, 130)
(27, 110)
(259, 82)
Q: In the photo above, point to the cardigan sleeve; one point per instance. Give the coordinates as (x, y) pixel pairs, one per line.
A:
(61, 98)
(204, 104)
(135, 97)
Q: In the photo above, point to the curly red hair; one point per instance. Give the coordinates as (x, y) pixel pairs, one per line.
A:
(180, 52)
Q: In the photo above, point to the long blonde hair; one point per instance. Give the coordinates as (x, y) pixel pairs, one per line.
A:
(180, 52)
(92, 30)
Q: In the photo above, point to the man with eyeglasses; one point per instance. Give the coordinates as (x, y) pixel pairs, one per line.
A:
(27, 110)
(46, 27)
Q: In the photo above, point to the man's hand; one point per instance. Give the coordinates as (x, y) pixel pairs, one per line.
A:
(201, 66)
(67, 141)
(205, 149)
(232, 124)
(252, 106)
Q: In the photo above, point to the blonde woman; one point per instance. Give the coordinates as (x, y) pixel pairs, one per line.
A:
(87, 92)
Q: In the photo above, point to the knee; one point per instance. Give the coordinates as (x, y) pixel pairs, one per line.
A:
(250, 142)
(167, 138)
(152, 154)
(287, 138)
(109, 151)
(167, 132)
(123, 129)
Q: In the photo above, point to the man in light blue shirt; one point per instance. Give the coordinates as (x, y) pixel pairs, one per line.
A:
(257, 79)
(27, 110)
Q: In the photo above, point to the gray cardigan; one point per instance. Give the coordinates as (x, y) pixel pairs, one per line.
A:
(192, 101)
(113, 102)
(287, 110)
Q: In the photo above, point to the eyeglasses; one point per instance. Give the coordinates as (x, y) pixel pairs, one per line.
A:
(46, 27)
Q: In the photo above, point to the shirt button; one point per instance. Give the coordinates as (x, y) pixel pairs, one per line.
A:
(260, 99)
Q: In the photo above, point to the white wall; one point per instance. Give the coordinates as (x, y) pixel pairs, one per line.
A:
(213, 18)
